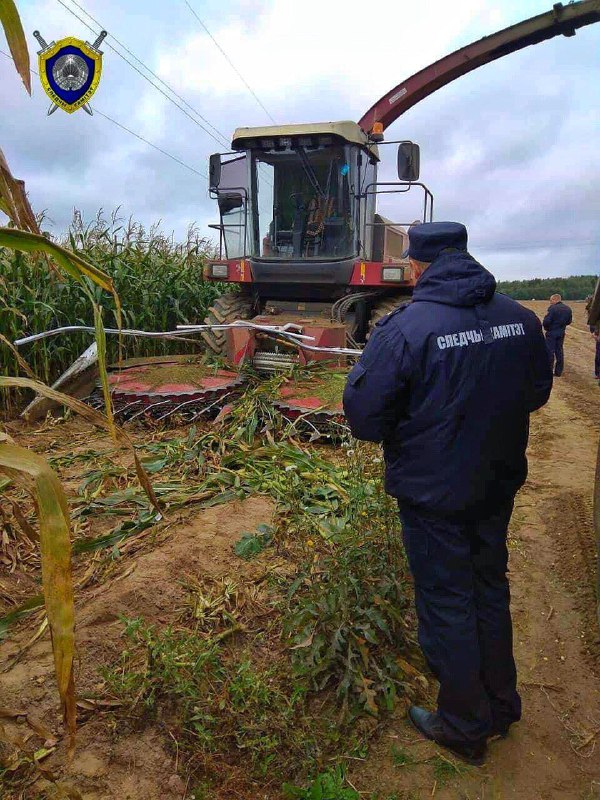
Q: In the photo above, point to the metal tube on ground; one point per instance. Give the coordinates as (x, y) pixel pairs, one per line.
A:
(295, 338)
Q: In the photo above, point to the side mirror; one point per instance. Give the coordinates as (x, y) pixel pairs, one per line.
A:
(409, 161)
(229, 202)
(214, 171)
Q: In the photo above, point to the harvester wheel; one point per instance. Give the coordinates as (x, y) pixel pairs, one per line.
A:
(385, 307)
(226, 308)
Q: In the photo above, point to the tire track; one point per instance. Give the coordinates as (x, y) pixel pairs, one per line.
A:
(569, 521)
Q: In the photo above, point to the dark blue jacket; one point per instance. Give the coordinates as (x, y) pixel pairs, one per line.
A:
(448, 383)
(557, 318)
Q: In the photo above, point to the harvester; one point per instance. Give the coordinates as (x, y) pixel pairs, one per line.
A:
(300, 236)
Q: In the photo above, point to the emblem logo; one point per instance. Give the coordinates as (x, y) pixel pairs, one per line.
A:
(70, 71)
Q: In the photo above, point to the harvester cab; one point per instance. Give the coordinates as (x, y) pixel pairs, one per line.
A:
(299, 231)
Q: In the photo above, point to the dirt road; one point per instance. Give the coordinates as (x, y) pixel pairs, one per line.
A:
(554, 753)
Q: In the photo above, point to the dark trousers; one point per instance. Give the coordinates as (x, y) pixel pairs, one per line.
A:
(465, 630)
(555, 343)
(597, 363)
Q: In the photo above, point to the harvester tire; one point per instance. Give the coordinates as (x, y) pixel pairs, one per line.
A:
(385, 307)
(225, 309)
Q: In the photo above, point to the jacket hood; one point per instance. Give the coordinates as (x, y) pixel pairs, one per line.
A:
(455, 279)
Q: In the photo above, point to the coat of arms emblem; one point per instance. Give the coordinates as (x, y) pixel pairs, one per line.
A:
(70, 71)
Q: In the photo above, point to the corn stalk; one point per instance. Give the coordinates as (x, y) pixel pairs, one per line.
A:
(34, 473)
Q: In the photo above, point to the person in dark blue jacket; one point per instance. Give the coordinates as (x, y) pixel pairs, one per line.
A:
(447, 383)
(555, 323)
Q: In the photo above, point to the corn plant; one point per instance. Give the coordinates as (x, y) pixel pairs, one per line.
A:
(18, 464)
(34, 473)
(160, 283)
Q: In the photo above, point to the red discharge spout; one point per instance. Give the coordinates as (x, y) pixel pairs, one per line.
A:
(561, 20)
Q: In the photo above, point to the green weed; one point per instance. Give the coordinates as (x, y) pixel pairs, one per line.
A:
(330, 785)
(251, 544)
(215, 701)
(402, 758)
(445, 770)
(348, 614)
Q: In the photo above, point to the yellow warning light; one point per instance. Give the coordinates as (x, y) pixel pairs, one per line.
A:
(377, 132)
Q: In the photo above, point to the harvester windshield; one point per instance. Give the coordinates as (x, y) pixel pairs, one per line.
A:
(303, 204)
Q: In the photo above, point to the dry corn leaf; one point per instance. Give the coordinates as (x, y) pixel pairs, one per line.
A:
(12, 713)
(22, 522)
(407, 668)
(19, 358)
(13, 198)
(23, 466)
(93, 416)
(17, 43)
(98, 705)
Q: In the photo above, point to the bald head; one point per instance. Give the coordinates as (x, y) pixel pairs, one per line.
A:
(556, 298)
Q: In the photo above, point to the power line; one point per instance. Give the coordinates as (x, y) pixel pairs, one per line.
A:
(158, 78)
(223, 142)
(133, 133)
(150, 144)
(232, 65)
(145, 77)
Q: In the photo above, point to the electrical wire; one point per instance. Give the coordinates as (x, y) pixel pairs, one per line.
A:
(150, 144)
(224, 142)
(232, 65)
(145, 77)
(133, 133)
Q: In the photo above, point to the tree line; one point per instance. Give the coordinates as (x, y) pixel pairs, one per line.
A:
(574, 287)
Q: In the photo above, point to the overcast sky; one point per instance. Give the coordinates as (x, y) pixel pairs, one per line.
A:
(512, 150)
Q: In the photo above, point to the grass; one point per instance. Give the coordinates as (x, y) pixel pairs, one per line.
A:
(445, 770)
(340, 617)
(329, 785)
(401, 757)
(160, 283)
(215, 700)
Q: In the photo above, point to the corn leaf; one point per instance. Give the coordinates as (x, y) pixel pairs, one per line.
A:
(93, 416)
(71, 263)
(77, 268)
(19, 359)
(32, 471)
(17, 43)
(13, 198)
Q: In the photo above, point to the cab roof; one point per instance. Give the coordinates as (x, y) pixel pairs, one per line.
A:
(346, 130)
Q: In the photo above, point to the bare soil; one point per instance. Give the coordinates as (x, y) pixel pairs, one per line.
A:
(553, 754)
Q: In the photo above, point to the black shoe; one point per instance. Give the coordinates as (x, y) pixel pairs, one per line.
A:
(429, 725)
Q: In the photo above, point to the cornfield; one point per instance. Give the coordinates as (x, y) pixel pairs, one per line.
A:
(160, 283)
